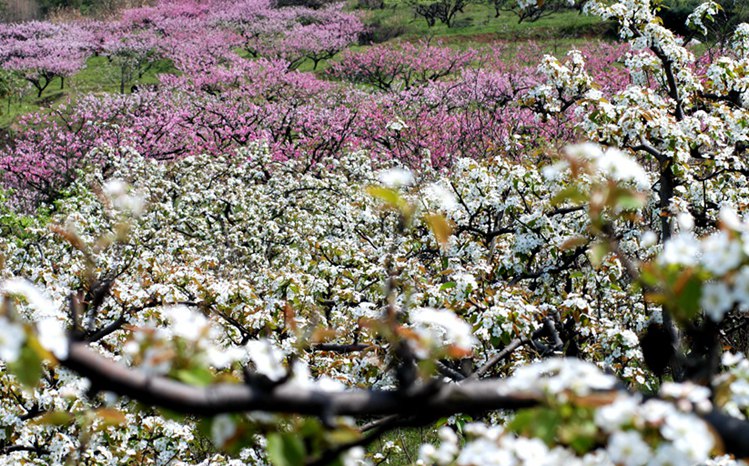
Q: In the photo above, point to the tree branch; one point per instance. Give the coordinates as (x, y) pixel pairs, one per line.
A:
(157, 391)
(470, 396)
(497, 358)
(342, 348)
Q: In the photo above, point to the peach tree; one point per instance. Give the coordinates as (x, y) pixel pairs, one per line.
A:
(577, 307)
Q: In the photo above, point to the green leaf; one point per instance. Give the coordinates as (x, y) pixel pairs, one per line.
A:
(584, 439)
(569, 194)
(688, 301)
(204, 427)
(28, 367)
(55, 418)
(579, 430)
(539, 422)
(392, 199)
(388, 196)
(597, 252)
(198, 376)
(630, 202)
(285, 450)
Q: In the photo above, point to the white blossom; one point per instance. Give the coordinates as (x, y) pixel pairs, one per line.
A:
(716, 300)
(53, 337)
(442, 327)
(123, 198)
(397, 177)
(223, 428)
(12, 337)
(682, 249)
(628, 448)
(720, 253)
(186, 322)
(267, 358)
(36, 298)
(444, 197)
(648, 239)
(621, 167)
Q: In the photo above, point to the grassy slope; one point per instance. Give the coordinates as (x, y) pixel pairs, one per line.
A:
(98, 76)
(478, 26)
(479, 22)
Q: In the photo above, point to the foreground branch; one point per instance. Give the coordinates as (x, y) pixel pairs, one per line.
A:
(470, 396)
(231, 398)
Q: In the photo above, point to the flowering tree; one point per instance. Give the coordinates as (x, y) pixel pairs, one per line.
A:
(216, 106)
(292, 33)
(321, 36)
(530, 10)
(453, 104)
(257, 22)
(384, 66)
(248, 254)
(133, 52)
(444, 11)
(41, 52)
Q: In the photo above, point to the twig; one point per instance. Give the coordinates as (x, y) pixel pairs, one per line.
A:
(497, 358)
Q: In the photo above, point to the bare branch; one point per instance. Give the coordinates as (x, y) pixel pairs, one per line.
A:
(339, 348)
(232, 398)
(468, 397)
(497, 358)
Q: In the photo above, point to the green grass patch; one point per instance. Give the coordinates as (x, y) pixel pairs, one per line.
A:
(98, 76)
(479, 23)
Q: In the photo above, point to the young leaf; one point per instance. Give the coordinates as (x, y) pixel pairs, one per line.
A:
(285, 449)
(387, 196)
(111, 416)
(440, 228)
(55, 418)
(28, 367)
(597, 252)
(196, 376)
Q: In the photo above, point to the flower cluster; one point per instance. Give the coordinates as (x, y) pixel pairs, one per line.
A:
(630, 430)
(248, 223)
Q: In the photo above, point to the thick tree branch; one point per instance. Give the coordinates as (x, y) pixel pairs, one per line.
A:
(107, 329)
(225, 398)
(470, 396)
(342, 348)
(734, 432)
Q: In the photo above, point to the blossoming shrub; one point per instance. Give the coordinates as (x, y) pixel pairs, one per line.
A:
(476, 109)
(41, 52)
(286, 246)
(212, 263)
